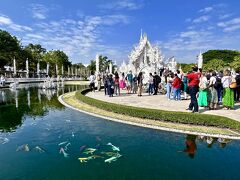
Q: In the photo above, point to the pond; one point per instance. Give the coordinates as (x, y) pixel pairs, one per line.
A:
(37, 131)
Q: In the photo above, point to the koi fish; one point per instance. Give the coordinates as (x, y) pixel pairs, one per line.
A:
(66, 147)
(98, 138)
(23, 147)
(109, 153)
(63, 152)
(82, 148)
(89, 151)
(83, 159)
(62, 143)
(38, 149)
(114, 148)
(95, 156)
(114, 158)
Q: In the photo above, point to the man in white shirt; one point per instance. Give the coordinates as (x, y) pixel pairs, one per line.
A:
(92, 82)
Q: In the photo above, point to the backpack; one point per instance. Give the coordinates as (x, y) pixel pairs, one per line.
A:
(218, 83)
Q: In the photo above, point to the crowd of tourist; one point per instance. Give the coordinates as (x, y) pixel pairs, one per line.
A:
(206, 89)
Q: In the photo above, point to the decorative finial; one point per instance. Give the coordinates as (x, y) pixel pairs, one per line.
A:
(141, 34)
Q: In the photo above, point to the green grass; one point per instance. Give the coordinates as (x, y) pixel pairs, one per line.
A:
(161, 115)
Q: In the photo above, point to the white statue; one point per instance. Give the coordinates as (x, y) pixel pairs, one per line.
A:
(200, 60)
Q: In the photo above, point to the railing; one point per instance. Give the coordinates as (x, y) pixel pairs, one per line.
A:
(29, 80)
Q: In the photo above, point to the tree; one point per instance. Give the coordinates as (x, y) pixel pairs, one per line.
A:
(236, 63)
(186, 67)
(215, 64)
(56, 57)
(103, 64)
(35, 53)
(225, 55)
(9, 48)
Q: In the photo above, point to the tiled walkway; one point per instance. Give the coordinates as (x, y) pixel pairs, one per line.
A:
(161, 102)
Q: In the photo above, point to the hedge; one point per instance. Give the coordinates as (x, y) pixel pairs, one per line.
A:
(161, 115)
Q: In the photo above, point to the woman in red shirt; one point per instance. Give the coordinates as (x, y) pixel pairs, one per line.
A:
(176, 84)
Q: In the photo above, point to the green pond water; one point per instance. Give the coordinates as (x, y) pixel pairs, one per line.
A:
(31, 118)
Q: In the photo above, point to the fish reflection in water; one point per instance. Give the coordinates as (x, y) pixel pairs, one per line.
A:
(62, 151)
(3, 140)
(23, 147)
(39, 149)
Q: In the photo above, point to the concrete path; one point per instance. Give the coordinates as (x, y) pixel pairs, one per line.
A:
(161, 102)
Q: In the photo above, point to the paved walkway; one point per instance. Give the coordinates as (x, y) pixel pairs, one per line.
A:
(161, 102)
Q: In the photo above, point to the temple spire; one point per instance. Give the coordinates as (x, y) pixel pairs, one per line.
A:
(141, 36)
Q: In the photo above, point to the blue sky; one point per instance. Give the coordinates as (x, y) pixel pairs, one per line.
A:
(83, 28)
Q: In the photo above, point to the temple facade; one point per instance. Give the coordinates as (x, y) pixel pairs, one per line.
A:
(144, 57)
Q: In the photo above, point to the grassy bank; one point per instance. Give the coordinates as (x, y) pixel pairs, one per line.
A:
(161, 115)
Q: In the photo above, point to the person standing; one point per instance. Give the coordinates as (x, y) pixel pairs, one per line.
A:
(92, 82)
(122, 81)
(105, 80)
(185, 86)
(213, 95)
(116, 84)
(156, 81)
(135, 84)
(150, 83)
(169, 85)
(140, 83)
(228, 95)
(237, 90)
(99, 81)
(110, 86)
(129, 79)
(193, 81)
(218, 86)
(176, 84)
(203, 91)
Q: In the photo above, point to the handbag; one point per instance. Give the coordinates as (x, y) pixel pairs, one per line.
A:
(233, 85)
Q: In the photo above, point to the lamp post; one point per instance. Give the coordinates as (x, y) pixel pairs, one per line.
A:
(27, 69)
(14, 67)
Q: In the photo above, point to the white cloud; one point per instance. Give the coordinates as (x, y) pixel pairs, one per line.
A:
(5, 21)
(80, 39)
(39, 11)
(206, 9)
(124, 4)
(225, 16)
(230, 25)
(201, 19)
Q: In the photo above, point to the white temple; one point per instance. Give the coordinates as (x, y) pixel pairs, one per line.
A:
(146, 58)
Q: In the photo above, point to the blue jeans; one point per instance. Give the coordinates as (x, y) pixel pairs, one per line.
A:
(169, 88)
(193, 90)
(150, 89)
(177, 93)
(220, 93)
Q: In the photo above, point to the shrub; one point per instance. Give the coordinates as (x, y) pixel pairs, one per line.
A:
(160, 115)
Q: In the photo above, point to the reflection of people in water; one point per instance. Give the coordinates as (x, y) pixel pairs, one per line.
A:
(223, 142)
(210, 141)
(191, 146)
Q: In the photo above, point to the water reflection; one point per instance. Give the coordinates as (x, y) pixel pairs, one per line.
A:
(191, 143)
(28, 101)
